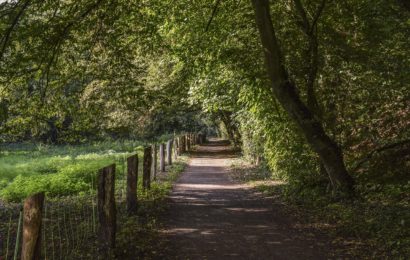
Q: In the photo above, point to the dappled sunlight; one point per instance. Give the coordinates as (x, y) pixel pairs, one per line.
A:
(211, 217)
(248, 210)
(209, 186)
(182, 230)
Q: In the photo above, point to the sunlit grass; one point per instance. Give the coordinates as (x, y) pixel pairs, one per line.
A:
(58, 170)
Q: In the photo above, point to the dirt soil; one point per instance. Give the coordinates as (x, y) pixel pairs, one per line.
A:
(212, 217)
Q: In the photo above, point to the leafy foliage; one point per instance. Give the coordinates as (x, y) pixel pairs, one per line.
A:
(78, 71)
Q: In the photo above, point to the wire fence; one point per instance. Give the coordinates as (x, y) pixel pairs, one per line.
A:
(70, 225)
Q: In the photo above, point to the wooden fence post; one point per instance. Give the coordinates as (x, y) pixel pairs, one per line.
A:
(146, 168)
(154, 161)
(132, 182)
(169, 152)
(176, 148)
(107, 212)
(162, 157)
(188, 142)
(182, 144)
(32, 216)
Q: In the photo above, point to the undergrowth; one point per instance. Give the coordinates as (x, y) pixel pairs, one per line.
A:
(140, 238)
(374, 224)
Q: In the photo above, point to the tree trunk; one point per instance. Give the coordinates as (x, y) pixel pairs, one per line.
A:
(286, 93)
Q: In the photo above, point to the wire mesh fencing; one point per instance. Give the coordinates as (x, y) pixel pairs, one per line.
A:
(70, 226)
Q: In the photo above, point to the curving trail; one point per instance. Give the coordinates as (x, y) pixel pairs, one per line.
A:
(210, 217)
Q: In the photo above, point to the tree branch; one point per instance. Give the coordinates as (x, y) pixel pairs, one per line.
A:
(305, 21)
(317, 15)
(6, 37)
(378, 150)
(212, 15)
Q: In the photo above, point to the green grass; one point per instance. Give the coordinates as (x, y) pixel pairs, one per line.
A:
(58, 170)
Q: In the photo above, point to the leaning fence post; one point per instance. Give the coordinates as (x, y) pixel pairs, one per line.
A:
(146, 168)
(32, 217)
(169, 152)
(162, 157)
(106, 207)
(132, 181)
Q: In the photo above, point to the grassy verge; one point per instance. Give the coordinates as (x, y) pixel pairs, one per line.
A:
(375, 224)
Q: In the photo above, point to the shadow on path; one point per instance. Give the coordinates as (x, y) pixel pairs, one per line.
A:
(210, 217)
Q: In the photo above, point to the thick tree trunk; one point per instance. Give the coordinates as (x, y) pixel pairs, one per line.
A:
(286, 93)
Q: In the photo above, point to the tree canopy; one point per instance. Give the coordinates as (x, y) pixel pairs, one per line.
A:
(314, 88)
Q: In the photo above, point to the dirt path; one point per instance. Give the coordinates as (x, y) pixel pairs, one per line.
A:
(210, 217)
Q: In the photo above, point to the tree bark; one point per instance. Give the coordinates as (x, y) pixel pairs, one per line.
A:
(286, 93)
